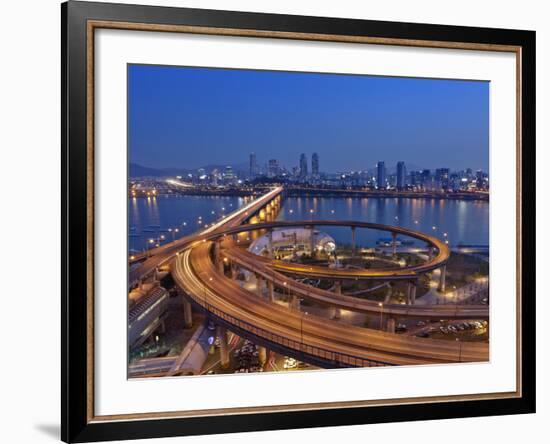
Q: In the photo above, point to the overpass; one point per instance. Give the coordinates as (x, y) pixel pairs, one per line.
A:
(266, 270)
(310, 338)
(436, 261)
(163, 254)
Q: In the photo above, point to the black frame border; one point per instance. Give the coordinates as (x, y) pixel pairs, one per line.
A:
(75, 425)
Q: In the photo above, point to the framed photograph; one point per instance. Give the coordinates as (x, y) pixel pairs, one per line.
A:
(275, 221)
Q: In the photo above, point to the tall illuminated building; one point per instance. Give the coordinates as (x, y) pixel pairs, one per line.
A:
(253, 166)
(381, 175)
(401, 175)
(272, 168)
(315, 165)
(303, 166)
(442, 178)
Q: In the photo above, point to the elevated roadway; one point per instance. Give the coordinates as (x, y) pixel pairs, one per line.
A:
(163, 254)
(266, 268)
(437, 261)
(306, 335)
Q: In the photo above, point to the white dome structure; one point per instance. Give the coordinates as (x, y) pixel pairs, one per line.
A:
(293, 240)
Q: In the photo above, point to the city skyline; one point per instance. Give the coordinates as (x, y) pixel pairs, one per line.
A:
(382, 177)
(263, 166)
(179, 113)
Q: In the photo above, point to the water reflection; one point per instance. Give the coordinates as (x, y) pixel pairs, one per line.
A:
(151, 218)
(465, 222)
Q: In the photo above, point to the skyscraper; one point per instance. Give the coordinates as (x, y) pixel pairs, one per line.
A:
(272, 168)
(229, 176)
(315, 165)
(253, 166)
(401, 175)
(442, 178)
(303, 166)
(416, 178)
(426, 179)
(381, 175)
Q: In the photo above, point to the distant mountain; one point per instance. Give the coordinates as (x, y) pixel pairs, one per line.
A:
(136, 170)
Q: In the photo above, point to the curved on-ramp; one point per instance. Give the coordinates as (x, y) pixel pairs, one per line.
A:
(344, 344)
(264, 267)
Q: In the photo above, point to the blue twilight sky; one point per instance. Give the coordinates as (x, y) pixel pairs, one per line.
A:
(189, 117)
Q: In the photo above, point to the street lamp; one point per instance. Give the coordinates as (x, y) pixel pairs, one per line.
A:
(173, 231)
(381, 305)
(302, 332)
(150, 241)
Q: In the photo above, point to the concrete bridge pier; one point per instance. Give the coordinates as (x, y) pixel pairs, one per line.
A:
(338, 290)
(230, 269)
(412, 292)
(389, 293)
(187, 313)
(394, 243)
(312, 240)
(390, 325)
(443, 271)
(271, 291)
(233, 272)
(295, 302)
(270, 243)
(353, 247)
(430, 253)
(224, 348)
(259, 285)
(218, 261)
(262, 355)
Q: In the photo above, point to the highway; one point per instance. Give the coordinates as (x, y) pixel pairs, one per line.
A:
(265, 268)
(406, 273)
(163, 254)
(195, 272)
